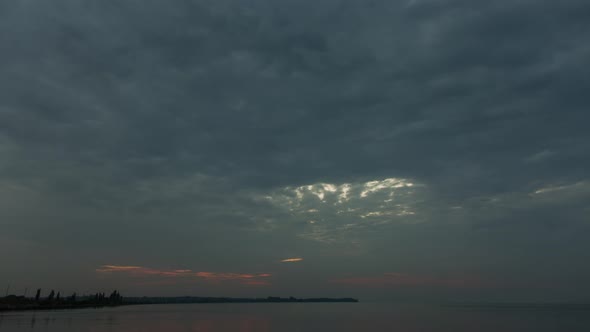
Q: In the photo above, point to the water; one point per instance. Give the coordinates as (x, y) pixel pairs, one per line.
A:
(306, 317)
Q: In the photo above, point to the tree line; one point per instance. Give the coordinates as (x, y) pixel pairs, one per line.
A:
(98, 298)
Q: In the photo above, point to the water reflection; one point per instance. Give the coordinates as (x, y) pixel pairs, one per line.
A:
(239, 325)
(294, 317)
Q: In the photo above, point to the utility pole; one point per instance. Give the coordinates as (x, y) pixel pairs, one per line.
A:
(7, 289)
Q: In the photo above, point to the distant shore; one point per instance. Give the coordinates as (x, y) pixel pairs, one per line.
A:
(270, 299)
(11, 308)
(13, 303)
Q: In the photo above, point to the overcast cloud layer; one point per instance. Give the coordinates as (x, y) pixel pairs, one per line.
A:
(296, 147)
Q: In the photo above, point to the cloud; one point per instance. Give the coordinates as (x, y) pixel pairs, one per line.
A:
(227, 133)
(326, 210)
(541, 156)
(292, 260)
(118, 268)
(580, 186)
(260, 279)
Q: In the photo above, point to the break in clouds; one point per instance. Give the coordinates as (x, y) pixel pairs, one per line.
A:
(375, 140)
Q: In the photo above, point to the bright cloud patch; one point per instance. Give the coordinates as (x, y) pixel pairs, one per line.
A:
(342, 193)
(118, 268)
(329, 209)
(244, 278)
(580, 186)
(292, 260)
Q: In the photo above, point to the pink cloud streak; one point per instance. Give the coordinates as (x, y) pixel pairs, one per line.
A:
(259, 279)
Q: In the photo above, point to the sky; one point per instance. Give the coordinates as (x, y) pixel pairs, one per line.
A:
(423, 149)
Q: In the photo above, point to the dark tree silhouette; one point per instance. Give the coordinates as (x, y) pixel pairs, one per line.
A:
(51, 296)
(54, 300)
(115, 297)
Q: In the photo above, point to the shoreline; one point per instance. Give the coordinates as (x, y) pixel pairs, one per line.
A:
(59, 307)
(167, 300)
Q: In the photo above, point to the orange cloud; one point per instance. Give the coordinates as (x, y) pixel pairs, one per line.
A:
(291, 260)
(244, 278)
(406, 280)
(117, 268)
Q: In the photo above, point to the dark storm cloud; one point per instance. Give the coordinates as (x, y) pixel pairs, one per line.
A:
(162, 126)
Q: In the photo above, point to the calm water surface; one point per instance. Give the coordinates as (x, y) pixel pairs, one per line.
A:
(298, 317)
